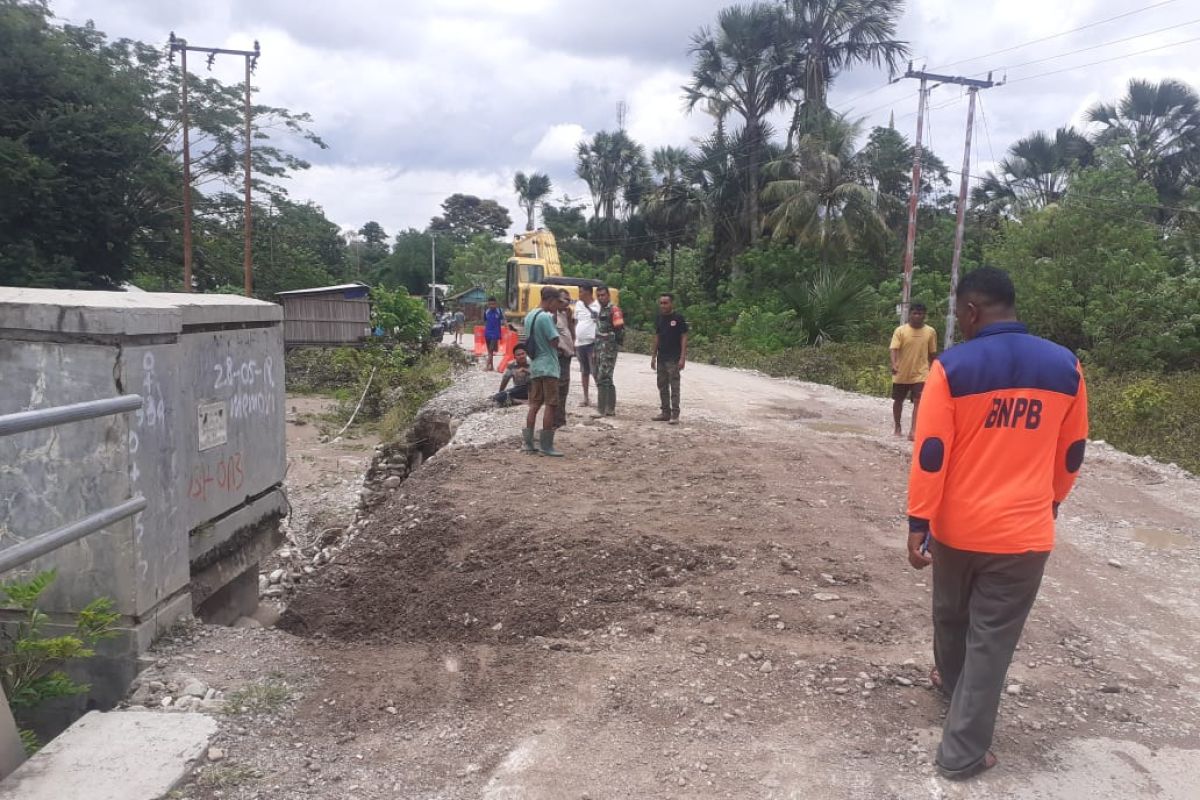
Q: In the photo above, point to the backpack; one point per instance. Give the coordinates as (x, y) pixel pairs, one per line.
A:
(530, 339)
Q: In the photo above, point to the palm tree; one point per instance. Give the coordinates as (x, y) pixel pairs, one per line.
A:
(675, 204)
(531, 191)
(669, 163)
(826, 304)
(1036, 171)
(608, 164)
(741, 66)
(835, 35)
(614, 168)
(816, 196)
(1156, 128)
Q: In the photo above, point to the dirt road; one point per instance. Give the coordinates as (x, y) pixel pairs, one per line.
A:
(719, 609)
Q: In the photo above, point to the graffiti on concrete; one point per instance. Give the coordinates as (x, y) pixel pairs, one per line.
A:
(253, 386)
(208, 480)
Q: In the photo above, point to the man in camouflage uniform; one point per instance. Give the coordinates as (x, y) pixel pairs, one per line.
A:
(610, 329)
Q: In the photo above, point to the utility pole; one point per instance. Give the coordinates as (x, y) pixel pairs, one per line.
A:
(432, 275)
(973, 85)
(911, 242)
(962, 215)
(178, 45)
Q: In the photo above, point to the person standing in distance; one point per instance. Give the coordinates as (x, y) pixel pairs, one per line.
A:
(564, 321)
(587, 311)
(610, 331)
(668, 356)
(913, 346)
(460, 322)
(493, 329)
(542, 339)
(1000, 441)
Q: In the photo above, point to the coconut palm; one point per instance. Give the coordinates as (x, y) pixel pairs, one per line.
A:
(531, 191)
(833, 35)
(1036, 171)
(815, 193)
(741, 66)
(1156, 128)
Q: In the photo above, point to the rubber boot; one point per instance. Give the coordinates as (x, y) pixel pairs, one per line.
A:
(601, 400)
(547, 444)
(527, 441)
(612, 401)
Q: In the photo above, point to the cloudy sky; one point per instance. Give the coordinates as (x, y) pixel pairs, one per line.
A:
(418, 100)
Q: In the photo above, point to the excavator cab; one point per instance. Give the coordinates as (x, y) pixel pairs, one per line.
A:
(520, 274)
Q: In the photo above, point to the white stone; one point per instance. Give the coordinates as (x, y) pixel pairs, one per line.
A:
(114, 756)
(195, 688)
(825, 597)
(276, 576)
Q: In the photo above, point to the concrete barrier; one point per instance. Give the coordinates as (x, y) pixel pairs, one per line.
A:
(206, 450)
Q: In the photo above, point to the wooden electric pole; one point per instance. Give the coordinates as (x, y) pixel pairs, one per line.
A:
(181, 46)
(974, 85)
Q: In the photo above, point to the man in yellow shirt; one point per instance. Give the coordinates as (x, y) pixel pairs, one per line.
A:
(913, 346)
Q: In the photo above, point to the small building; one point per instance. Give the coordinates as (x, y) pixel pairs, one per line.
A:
(470, 302)
(326, 315)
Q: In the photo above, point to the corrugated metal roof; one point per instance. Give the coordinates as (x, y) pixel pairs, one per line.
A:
(343, 287)
(479, 289)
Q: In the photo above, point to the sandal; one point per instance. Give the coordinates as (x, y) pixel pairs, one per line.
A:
(988, 761)
(935, 678)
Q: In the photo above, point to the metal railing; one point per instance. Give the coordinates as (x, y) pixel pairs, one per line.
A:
(23, 421)
(12, 753)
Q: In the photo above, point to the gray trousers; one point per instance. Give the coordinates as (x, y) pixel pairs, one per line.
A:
(980, 603)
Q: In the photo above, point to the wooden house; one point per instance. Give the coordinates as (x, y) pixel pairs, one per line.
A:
(326, 315)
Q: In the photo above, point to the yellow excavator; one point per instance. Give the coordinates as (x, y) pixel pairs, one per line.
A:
(535, 264)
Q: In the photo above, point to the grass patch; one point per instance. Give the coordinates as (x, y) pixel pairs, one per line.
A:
(264, 697)
(226, 776)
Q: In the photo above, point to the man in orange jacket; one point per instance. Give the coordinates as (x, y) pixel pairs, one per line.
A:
(999, 443)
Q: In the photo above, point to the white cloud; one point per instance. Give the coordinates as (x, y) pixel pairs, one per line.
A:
(427, 97)
(559, 142)
(397, 199)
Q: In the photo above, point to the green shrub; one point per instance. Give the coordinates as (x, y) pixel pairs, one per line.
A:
(31, 662)
(765, 331)
(1148, 414)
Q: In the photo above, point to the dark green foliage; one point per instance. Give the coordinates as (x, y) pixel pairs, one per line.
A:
(465, 215)
(404, 318)
(81, 170)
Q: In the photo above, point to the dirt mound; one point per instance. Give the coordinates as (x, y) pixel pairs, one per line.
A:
(429, 575)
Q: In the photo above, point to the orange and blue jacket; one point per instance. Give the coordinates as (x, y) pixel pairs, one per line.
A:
(1001, 434)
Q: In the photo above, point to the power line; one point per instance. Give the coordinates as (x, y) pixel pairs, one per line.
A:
(1102, 61)
(1058, 35)
(1096, 46)
(988, 134)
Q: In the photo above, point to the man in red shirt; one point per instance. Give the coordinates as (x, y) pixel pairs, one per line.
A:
(999, 443)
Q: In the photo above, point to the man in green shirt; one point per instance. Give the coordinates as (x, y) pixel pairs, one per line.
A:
(541, 337)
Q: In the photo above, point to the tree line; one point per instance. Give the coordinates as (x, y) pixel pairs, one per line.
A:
(772, 237)
(795, 236)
